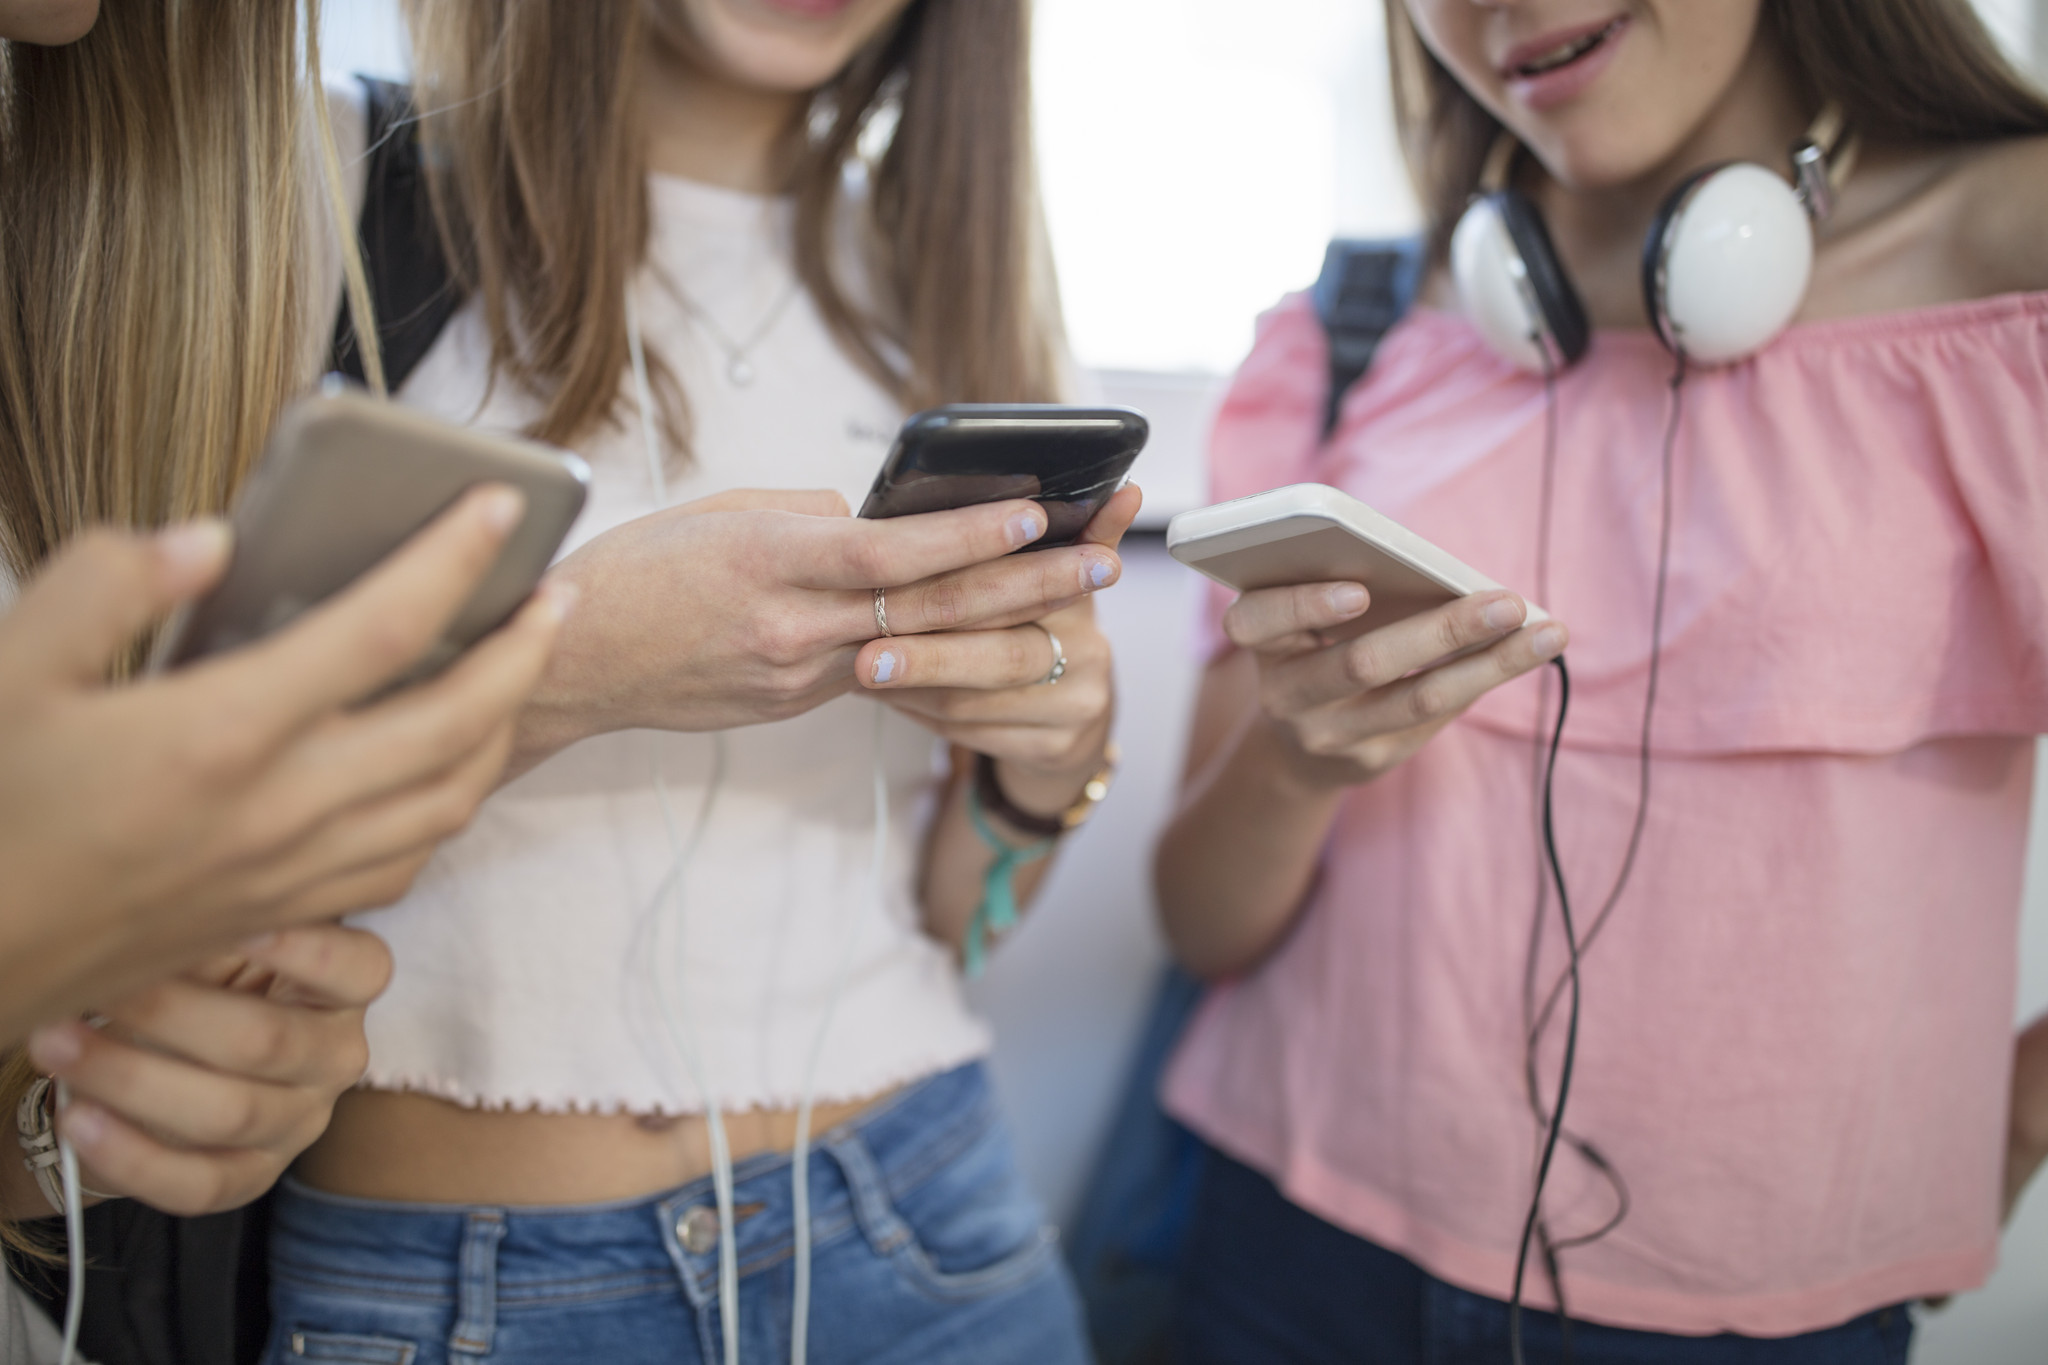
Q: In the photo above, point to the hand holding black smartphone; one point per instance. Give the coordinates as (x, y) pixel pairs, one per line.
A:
(1068, 460)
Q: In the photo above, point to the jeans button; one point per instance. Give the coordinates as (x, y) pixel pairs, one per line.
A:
(697, 1229)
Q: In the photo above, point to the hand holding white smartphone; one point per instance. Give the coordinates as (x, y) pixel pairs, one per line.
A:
(1312, 533)
(345, 481)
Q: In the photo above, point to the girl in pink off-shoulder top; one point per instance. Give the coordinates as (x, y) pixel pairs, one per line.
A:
(1796, 1054)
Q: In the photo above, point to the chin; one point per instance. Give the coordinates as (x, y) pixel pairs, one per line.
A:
(1597, 157)
(782, 45)
(47, 23)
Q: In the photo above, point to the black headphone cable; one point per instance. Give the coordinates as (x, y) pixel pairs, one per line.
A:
(1534, 1228)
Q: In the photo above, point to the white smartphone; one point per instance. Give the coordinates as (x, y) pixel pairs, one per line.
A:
(347, 479)
(1312, 533)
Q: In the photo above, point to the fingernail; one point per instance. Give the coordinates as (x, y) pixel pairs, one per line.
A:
(1025, 528)
(1549, 640)
(260, 944)
(886, 664)
(501, 508)
(85, 1124)
(1097, 573)
(1348, 599)
(55, 1046)
(1503, 613)
(561, 599)
(195, 545)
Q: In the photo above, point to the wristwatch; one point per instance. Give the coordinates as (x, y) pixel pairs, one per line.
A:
(989, 791)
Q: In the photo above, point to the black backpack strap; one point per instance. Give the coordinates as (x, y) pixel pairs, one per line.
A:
(411, 286)
(1365, 288)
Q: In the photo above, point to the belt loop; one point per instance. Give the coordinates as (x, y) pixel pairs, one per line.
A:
(476, 1291)
(869, 1193)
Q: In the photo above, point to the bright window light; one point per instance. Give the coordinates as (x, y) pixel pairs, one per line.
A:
(1197, 155)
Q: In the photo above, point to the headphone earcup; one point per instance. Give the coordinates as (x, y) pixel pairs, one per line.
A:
(1726, 262)
(1512, 286)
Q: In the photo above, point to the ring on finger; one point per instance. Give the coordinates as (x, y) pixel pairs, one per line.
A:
(1059, 657)
(882, 613)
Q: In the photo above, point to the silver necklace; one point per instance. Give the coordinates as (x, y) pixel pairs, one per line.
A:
(739, 369)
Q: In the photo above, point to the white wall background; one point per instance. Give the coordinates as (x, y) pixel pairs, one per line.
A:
(1197, 154)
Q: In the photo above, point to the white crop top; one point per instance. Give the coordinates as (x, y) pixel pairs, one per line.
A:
(523, 971)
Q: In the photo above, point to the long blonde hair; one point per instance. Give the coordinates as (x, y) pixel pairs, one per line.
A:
(537, 171)
(156, 286)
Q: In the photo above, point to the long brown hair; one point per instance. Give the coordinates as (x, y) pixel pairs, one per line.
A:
(1902, 71)
(538, 176)
(156, 285)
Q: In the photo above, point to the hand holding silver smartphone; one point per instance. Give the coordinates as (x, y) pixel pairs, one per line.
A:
(1312, 533)
(346, 480)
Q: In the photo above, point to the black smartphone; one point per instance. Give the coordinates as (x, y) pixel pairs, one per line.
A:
(1070, 461)
(346, 480)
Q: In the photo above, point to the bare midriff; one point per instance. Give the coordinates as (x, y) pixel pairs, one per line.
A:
(414, 1148)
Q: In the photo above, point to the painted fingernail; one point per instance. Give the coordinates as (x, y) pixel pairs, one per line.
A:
(55, 1046)
(1549, 640)
(85, 1124)
(1347, 599)
(886, 664)
(1025, 528)
(501, 508)
(1097, 573)
(1503, 613)
(196, 544)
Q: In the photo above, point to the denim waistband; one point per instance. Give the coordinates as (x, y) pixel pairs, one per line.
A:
(492, 1257)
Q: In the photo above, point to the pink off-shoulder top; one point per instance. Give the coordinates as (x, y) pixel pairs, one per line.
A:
(1798, 1024)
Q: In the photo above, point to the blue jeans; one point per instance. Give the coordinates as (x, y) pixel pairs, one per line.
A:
(926, 1247)
(1264, 1280)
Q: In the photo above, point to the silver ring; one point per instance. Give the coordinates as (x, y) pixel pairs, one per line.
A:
(1059, 657)
(881, 613)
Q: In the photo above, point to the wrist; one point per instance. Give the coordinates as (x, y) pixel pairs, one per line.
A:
(1047, 793)
(1288, 769)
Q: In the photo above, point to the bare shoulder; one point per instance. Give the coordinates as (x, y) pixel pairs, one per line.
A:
(2001, 206)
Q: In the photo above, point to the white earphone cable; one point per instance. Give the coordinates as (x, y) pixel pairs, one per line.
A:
(679, 1021)
(682, 1030)
(800, 1157)
(74, 1235)
(684, 855)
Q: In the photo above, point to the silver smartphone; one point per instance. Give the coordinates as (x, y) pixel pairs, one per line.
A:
(345, 480)
(1312, 533)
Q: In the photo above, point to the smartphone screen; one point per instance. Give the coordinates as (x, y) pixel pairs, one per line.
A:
(1068, 460)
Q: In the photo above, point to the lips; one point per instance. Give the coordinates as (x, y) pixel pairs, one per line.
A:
(1552, 68)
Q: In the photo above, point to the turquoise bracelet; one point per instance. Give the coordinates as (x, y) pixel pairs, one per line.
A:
(998, 909)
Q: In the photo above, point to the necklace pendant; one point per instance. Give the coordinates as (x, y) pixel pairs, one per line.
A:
(740, 372)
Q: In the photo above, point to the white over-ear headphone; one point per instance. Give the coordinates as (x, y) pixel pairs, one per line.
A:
(1725, 263)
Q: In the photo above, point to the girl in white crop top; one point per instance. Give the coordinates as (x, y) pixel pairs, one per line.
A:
(800, 282)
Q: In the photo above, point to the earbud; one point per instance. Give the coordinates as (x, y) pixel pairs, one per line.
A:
(1725, 263)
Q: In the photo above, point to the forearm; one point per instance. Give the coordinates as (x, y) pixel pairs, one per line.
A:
(958, 859)
(2027, 1137)
(1236, 862)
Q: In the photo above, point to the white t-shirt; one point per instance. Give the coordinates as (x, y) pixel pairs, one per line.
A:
(523, 968)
